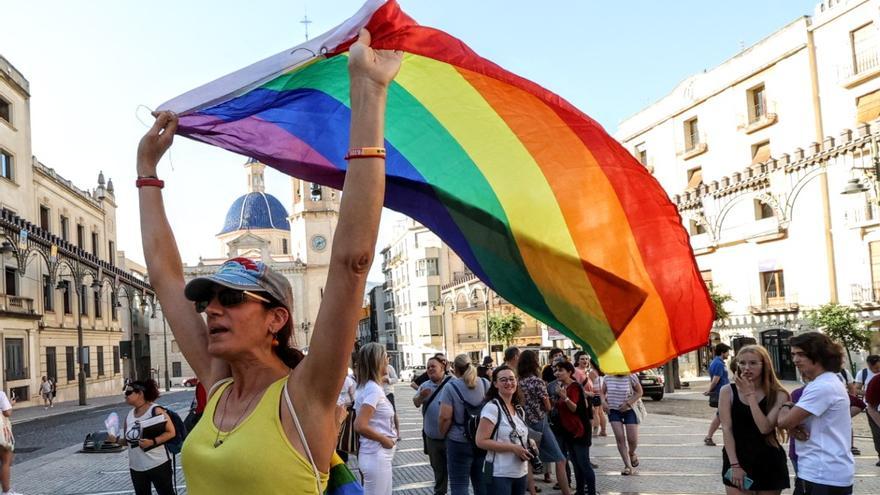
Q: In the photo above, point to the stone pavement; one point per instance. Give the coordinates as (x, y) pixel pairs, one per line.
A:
(673, 461)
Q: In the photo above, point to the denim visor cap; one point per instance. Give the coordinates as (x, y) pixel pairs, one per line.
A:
(242, 274)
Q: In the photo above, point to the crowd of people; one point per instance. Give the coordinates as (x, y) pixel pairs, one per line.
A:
(493, 430)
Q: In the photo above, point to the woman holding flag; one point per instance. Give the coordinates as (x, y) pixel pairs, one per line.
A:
(270, 416)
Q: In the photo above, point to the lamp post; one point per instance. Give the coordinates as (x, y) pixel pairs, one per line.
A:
(64, 285)
(486, 307)
(156, 308)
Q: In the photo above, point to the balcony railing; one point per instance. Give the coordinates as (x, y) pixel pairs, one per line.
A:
(389, 325)
(862, 295)
(387, 305)
(16, 304)
(16, 374)
(465, 338)
(772, 303)
(863, 216)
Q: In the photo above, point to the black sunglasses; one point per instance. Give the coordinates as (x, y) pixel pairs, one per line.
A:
(129, 392)
(228, 298)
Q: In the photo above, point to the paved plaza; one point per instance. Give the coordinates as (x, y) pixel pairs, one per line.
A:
(673, 461)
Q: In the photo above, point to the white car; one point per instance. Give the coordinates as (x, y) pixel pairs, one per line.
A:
(410, 372)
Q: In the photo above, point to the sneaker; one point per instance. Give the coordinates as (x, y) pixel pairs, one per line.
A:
(878, 464)
(856, 451)
(709, 442)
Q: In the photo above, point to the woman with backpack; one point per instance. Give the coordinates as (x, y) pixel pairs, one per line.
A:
(504, 434)
(149, 461)
(575, 416)
(460, 403)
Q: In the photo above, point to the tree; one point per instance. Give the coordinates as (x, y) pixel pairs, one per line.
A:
(504, 328)
(842, 325)
(718, 300)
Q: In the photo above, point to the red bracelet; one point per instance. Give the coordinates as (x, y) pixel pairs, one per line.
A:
(149, 182)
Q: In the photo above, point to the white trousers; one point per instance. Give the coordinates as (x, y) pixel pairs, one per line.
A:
(376, 468)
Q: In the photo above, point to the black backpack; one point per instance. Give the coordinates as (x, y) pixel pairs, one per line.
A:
(471, 416)
(174, 445)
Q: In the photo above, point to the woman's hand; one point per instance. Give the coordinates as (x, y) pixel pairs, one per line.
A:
(520, 451)
(388, 442)
(145, 443)
(737, 476)
(155, 143)
(626, 406)
(374, 67)
(745, 387)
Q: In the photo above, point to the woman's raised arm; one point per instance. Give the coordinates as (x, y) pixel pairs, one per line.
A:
(162, 256)
(322, 371)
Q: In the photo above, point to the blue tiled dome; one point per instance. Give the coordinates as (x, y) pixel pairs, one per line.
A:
(256, 210)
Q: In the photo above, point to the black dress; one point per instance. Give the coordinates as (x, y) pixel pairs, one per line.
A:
(763, 462)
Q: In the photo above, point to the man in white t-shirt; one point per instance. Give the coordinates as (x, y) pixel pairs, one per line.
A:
(872, 368)
(820, 421)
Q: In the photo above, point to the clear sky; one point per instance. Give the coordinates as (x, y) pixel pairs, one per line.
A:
(90, 65)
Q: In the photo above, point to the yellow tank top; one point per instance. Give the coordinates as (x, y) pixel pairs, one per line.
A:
(255, 457)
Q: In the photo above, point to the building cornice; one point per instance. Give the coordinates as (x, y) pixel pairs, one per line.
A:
(16, 79)
(67, 185)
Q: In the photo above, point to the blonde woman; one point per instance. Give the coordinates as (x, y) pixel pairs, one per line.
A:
(374, 420)
(753, 459)
(462, 397)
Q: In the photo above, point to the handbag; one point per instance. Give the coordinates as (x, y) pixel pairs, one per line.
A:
(7, 439)
(348, 439)
(639, 406)
(713, 399)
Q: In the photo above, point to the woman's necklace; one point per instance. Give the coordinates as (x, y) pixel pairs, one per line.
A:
(217, 441)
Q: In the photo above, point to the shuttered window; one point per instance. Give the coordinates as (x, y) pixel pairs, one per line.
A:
(868, 107)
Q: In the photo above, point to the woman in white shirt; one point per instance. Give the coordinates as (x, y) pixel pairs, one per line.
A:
(374, 421)
(504, 434)
(7, 442)
(148, 460)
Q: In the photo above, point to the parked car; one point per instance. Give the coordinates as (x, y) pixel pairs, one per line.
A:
(190, 382)
(411, 372)
(652, 384)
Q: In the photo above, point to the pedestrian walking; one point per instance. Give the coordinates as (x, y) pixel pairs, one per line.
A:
(258, 441)
(460, 402)
(7, 444)
(149, 461)
(46, 392)
(374, 420)
(752, 458)
(434, 443)
(536, 404)
(504, 435)
(575, 415)
(820, 421)
(872, 399)
(718, 379)
(620, 394)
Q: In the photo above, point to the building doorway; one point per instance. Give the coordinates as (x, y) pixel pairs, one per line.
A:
(776, 343)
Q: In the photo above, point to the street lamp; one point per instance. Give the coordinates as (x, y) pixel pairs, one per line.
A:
(6, 248)
(442, 307)
(486, 291)
(854, 185)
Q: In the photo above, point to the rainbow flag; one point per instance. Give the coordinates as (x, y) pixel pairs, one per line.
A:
(541, 204)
